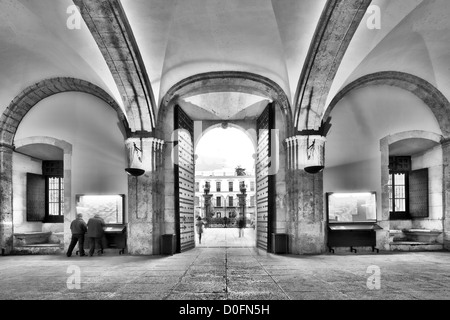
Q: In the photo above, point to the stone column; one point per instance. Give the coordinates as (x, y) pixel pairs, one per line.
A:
(306, 226)
(144, 195)
(208, 198)
(6, 190)
(383, 216)
(446, 165)
(242, 203)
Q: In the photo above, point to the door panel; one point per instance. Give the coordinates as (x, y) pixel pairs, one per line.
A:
(264, 181)
(418, 193)
(35, 197)
(184, 181)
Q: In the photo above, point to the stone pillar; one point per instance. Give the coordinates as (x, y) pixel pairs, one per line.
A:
(69, 214)
(6, 190)
(208, 198)
(242, 203)
(383, 216)
(144, 194)
(446, 165)
(306, 226)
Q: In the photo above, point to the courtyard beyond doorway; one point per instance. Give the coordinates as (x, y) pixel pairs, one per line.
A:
(226, 238)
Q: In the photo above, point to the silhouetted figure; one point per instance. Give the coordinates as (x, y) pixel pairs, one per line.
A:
(95, 234)
(78, 228)
(241, 225)
(199, 224)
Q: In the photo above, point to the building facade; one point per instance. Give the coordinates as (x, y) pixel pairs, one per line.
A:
(225, 189)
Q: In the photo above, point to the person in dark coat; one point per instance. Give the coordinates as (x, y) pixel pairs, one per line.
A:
(78, 228)
(241, 225)
(199, 224)
(95, 234)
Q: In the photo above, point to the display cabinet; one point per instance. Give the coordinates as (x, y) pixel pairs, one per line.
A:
(111, 208)
(351, 220)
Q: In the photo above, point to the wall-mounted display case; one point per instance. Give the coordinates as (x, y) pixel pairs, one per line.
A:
(352, 220)
(111, 208)
(351, 207)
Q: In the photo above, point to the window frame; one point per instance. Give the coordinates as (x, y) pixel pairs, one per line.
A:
(54, 218)
(230, 202)
(393, 170)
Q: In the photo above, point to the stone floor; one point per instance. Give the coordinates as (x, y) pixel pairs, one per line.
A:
(232, 273)
(226, 237)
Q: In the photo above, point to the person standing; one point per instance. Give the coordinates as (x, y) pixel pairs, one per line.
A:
(241, 224)
(199, 224)
(95, 234)
(78, 228)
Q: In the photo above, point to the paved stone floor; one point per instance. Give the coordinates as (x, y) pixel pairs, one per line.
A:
(233, 273)
(226, 237)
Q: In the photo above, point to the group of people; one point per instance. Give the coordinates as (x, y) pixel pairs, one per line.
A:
(94, 230)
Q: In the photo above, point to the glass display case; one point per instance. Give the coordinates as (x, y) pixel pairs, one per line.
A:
(111, 208)
(352, 220)
(351, 207)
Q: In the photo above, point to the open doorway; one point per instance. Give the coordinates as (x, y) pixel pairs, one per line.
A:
(225, 188)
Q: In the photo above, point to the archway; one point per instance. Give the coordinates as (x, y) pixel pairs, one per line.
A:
(176, 115)
(225, 161)
(412, 185)
(425, 91)
(9, 124)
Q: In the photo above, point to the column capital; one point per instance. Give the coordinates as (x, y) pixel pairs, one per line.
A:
(301, 138)
(144, 153)
(305, 151)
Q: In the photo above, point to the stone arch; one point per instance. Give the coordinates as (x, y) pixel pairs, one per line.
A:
(28, 98)
(228, 81)
(425, 91)
(251, 135)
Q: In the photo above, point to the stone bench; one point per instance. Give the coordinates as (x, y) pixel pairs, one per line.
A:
(30, 238)
(422, 235)
(414, 235)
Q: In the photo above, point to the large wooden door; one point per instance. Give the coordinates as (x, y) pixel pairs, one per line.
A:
(184, 181)
(265, 181)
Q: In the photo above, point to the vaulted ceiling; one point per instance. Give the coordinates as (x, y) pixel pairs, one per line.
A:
(177, 39)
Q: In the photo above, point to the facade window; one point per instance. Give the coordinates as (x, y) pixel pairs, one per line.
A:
(219, 215)
(55, 196)
(252, 186)
(218, 202)
(218, 186)
(408, 190)
(45, 194)
(230, 201)
(399, 168)
(230, 186)
(197, 187)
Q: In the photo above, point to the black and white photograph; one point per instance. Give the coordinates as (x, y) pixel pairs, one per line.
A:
(224, 155)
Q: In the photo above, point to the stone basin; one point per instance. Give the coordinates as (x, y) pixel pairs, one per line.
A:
(28, 238)
(422, 235)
